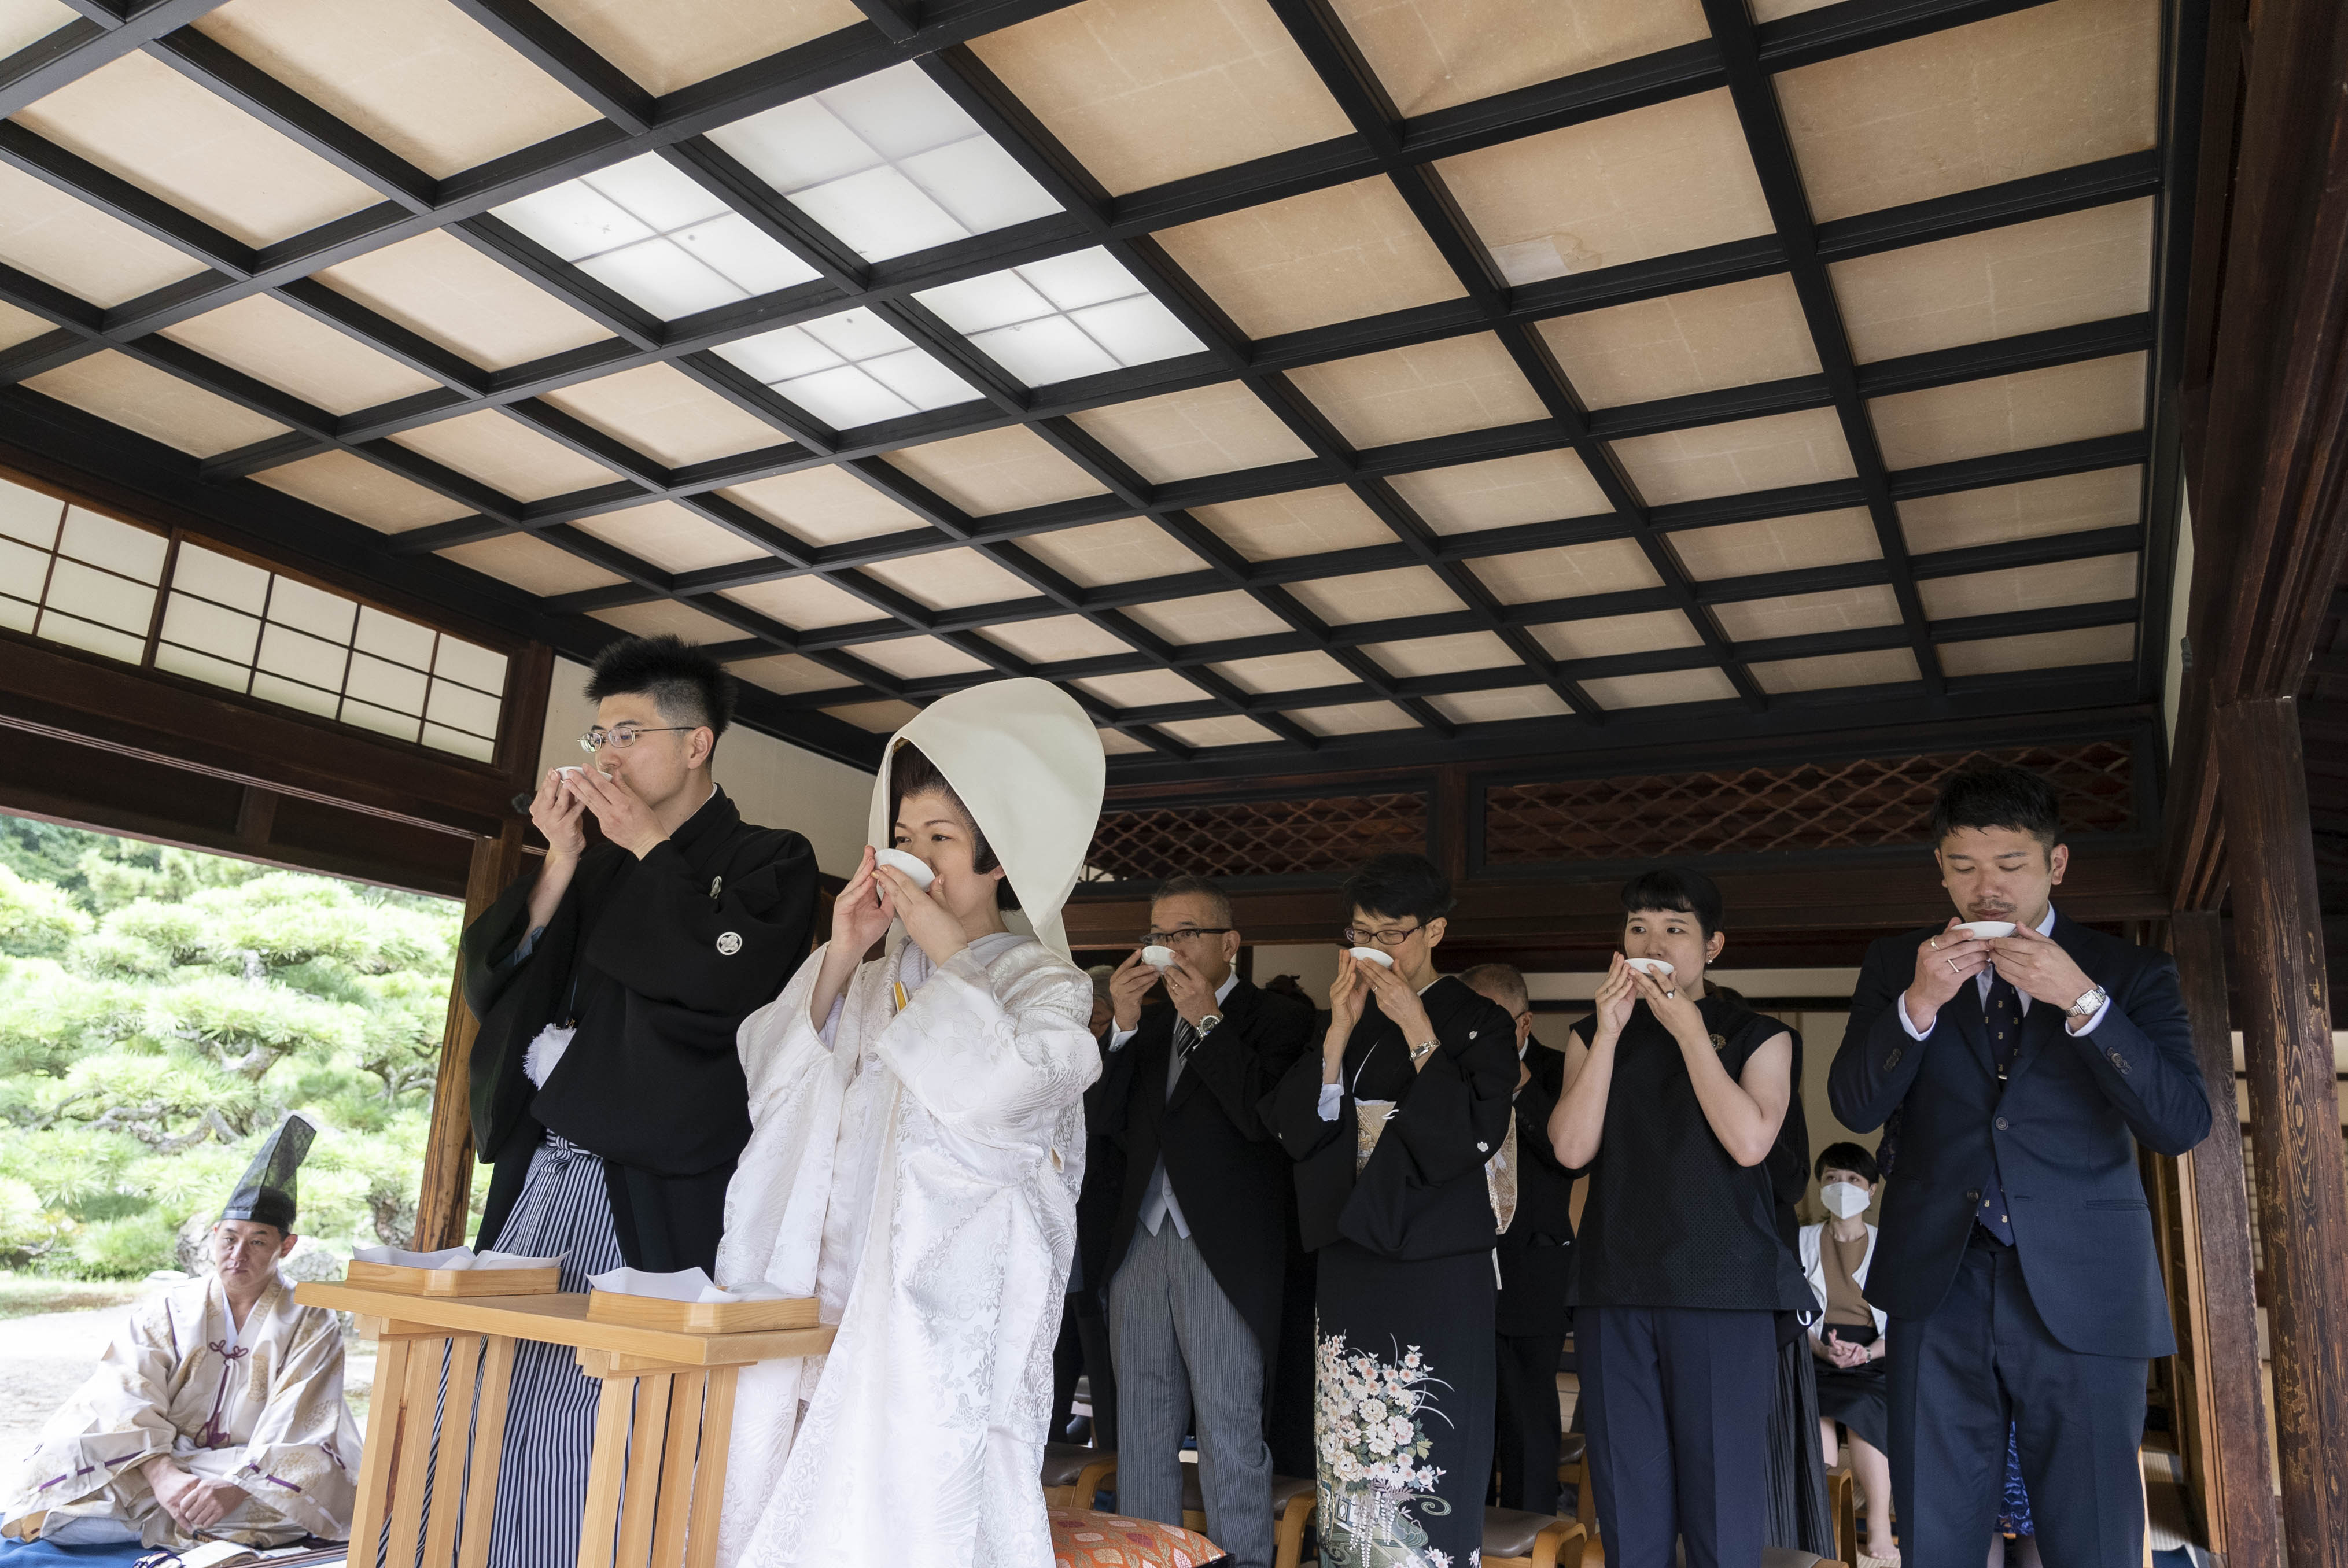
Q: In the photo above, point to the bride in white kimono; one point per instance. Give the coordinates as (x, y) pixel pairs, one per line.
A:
(918, 1144)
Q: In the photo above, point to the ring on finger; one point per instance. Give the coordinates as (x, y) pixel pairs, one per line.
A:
(1934, 943)
(1951, 963)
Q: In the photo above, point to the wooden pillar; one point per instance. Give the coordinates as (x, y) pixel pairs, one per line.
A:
(2231, 1458)
(2294, 1113)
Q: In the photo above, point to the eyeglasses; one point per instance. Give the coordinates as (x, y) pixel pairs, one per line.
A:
(622, 736)
(1382, 939)
(1168, 938)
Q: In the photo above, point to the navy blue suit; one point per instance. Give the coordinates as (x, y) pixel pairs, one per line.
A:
(2052, 1332)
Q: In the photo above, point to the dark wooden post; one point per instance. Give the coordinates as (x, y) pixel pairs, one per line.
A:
(2294, 1113)
(2238, 1470)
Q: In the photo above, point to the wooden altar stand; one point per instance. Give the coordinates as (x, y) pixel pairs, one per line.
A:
(662, 1425)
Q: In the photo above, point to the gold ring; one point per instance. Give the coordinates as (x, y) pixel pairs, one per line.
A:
(1934, 943)
(1951, 963)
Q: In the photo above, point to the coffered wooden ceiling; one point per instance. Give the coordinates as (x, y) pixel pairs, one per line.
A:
(1299, 381)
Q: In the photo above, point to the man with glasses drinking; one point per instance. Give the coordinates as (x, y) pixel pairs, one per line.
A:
(609, 983)
(1202, 1240)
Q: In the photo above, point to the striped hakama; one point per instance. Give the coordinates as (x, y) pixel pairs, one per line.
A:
(551, 1421)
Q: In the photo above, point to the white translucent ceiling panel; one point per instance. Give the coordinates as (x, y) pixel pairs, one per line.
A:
(850, 369)
(888, 163)
(1058, 319)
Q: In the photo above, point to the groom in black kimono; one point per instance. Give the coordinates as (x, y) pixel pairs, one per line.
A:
(610, 982)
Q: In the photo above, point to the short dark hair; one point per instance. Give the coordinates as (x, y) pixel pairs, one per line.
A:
(1187, 886)
(685, 682)
(1998, 795)
(1506, 980)
(1675, 887)
(912, 773)
(1851, 1157)
(1399, 887)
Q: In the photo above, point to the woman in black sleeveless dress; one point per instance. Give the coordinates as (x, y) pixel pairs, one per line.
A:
(1675, 1098)
(1393, 1124)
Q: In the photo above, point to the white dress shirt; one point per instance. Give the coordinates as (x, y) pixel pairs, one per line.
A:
(1980, 989)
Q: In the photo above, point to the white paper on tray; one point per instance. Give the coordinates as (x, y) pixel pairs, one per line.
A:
(453, 1258)
(684, 1284)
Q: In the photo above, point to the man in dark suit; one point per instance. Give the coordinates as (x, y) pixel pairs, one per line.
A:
(1535, 1259)
(2015, 1259)
(1201, 1236)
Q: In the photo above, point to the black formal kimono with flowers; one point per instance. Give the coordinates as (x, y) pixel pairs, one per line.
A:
(1401, 1227)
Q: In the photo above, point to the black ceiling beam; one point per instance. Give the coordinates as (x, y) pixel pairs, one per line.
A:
(98, 36)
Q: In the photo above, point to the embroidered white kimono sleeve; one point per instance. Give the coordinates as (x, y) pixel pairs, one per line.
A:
(264, 1410)
(918, 1175)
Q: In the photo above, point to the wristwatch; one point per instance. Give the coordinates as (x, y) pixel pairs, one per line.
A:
(1422, 1051)
(2086, 1005)
(1208, 1022)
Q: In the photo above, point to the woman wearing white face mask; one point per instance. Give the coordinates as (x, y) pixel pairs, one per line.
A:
(1847, 1337)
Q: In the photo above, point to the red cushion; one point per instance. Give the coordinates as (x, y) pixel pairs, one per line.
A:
(1083, 1539)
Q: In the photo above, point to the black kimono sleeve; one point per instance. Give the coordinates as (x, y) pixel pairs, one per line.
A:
(665, 939)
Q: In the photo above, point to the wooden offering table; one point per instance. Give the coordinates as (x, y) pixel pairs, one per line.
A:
(661, 1426)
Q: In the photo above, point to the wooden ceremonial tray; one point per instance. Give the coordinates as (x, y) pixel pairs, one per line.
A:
(449, 1282)
(700, 1317)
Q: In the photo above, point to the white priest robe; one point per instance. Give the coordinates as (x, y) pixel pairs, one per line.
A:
(915, 1170)
(261, 1408)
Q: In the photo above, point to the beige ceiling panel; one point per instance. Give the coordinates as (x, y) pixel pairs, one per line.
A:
(136, 118)
(1803, 614)
(1117, 744)
(1877, 667)
(664, 414)
(2048, 586)
(1732, 335)
(1430, 389)
(506, 454)
(347, 483)
(2040, 651)
(2040, 89)
(1353, 719)
(664, 534)
(419, 77)
(667, 45)
(19, 326)
(1299, 523)
(804, 603)
(992, 471)
(1657, 181)
(1209, 617)
(1567, 571)
(667, 617)
(881, 718)
(1056, 640)
(530, 564)
(1442, 655)
(1185, 434)
(438, 287)
(788, 673)
(1142, 688)
(1330, 255)
(1144, 91)
(949, 579)
(2009, 413)
(824, 505)
(916, 658)
(1606, 636)
(1537, 488)
(1778, 544)
(1232, 730)
(1377, 596)
(1501, 706)
(2057, 271)
(1433, 54)
(154, 403)
(1132, 549)
(1660, 689)
(1284, 673)
(1739, 457)
(2035, 509)
(71, 245)
(271, 340)
(23, 22)
(1777, 10)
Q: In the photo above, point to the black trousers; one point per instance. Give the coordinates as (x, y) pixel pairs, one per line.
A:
(1678, 1403)
(1526, 1441)
(1083, 1347)
(1983, 1360)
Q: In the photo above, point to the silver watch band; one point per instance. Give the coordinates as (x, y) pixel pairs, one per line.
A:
(2086, 1005)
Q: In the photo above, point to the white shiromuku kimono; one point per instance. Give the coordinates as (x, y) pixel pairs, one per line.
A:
(916, 1172)
(263, 1409)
